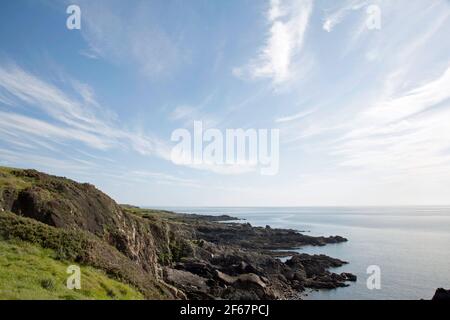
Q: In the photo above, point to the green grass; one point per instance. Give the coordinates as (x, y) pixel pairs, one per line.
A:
(149, 213)
(28, 271)
(68, 244)
(79, 246)
(9, 179)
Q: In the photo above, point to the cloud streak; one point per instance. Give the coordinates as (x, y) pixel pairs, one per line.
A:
(288, 24)
(79, 119)
(335, 17)
(296, 116)
(406, 134)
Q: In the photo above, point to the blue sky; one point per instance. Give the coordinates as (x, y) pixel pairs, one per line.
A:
(363, 113)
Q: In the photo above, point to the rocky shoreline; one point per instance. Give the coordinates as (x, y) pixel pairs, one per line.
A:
(239, 261)
(164, 255)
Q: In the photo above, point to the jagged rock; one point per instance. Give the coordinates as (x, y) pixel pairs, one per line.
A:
(246, 236)
(313, 265)
(225, 278)
(300, 275)
(441, 295)
(349, 276)
(200, 268)
(195, 286)
(251, 279)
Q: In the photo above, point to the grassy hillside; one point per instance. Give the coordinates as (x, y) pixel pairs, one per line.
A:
(77, 222)
(28, 271)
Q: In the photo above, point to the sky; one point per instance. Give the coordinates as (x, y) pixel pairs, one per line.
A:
(362, 109)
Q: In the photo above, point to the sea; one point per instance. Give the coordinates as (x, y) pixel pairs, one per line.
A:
(409, 246)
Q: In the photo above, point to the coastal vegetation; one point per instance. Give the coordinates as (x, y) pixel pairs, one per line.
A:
(29, 271)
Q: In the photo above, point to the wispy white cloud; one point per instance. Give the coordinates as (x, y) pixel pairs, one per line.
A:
(335, 17)
(27, 88)
(413, 101)
(24, 127)
(405, 134)
(43, 162)
(70, 118)
(162, 178)
(301, 114)
(90, 54)
(288, 25)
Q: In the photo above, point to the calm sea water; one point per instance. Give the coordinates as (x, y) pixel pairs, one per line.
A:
(411, 245)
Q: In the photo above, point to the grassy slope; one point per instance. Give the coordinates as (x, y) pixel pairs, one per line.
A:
(28, 271)
(7, 179)
(33, 254)
(68, 245)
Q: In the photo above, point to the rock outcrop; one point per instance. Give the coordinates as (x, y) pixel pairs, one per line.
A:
(441, 295)
(249, 237)
(63, 203)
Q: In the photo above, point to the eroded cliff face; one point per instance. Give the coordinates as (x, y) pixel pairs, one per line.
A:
(66, 204)
(63, 203)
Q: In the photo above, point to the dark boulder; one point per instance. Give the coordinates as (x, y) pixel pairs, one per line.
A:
(349, 276)
(441, 295)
